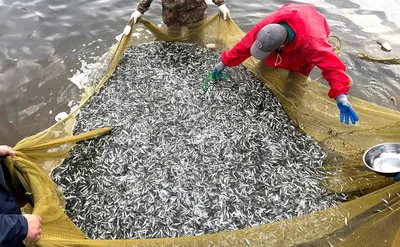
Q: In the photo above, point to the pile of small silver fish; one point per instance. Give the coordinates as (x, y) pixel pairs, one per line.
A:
(181, 161)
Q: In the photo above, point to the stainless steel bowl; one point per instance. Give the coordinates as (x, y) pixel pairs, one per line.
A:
(383, 158)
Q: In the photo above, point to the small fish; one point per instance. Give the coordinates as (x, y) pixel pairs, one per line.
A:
(180, 162)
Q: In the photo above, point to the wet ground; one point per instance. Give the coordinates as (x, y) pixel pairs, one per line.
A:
(45, 43)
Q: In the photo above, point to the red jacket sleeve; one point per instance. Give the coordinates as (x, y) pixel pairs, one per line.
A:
(333, 69)
(241, 51)
(13, 227)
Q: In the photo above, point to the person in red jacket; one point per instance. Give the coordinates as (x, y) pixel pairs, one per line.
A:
(295, 37)
(14, 226)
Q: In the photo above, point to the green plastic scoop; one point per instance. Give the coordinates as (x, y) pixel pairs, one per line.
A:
(213, 76)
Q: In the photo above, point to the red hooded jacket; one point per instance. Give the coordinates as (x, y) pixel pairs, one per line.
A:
(309, 48)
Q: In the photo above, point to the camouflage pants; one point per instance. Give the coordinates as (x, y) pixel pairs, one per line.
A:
(173, 17)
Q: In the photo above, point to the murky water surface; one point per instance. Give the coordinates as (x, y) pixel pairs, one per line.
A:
(44, 43)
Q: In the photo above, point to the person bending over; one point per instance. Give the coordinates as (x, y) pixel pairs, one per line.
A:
(295, 38)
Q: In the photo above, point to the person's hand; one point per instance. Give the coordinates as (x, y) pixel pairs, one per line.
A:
(34, 227)
(224, 10)
(135, 16)
(6, 150)
(346, 111)
(219, 67)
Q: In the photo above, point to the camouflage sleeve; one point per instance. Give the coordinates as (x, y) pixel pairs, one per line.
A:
(218, 2)
(143, 5)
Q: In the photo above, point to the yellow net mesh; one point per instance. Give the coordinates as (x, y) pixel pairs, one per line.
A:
(371, 220)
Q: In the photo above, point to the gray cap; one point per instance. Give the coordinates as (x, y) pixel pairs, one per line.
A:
(269, 38)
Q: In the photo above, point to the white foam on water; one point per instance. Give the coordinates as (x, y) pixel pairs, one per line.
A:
(79, 78)
(82, 75)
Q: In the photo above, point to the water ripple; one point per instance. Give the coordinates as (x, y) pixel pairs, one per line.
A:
(43, 43)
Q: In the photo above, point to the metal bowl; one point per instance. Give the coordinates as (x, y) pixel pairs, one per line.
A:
(383, 158)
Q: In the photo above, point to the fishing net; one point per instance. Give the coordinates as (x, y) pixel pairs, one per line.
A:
(371, 217)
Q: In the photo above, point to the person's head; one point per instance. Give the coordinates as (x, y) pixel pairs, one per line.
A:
(270, 38)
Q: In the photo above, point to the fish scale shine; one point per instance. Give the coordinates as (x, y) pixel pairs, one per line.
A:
(183, 162)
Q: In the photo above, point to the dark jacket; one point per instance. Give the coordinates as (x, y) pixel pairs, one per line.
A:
(13, 226)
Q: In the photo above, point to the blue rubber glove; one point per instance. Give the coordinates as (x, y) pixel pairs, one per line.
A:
(219, 67)
(346, 111)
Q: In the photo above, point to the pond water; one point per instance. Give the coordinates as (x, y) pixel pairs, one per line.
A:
(45, 43)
